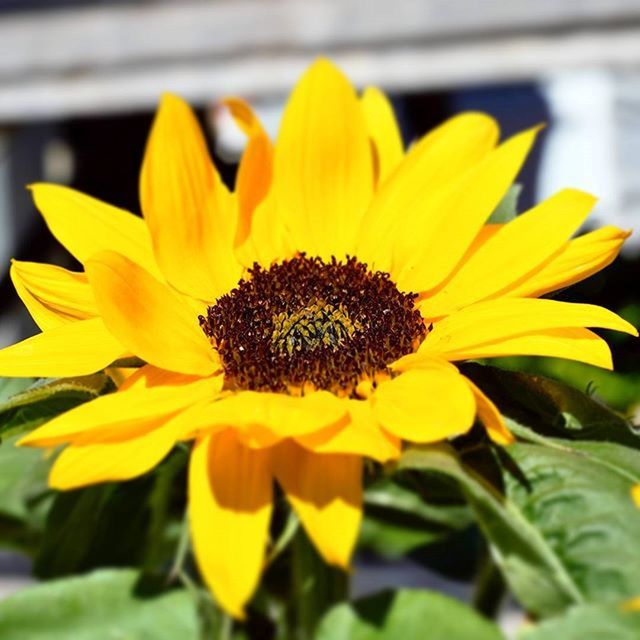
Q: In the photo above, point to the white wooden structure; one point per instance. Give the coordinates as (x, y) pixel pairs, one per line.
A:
(74, 61)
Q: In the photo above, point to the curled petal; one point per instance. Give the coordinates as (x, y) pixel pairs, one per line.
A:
(54, 296)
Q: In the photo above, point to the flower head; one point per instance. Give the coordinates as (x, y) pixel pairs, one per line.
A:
(305, 321)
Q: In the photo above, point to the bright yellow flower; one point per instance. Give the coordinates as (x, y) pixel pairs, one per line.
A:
(279, 360)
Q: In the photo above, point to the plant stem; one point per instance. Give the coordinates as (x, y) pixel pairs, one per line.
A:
(289, 531)
(181, 551)
(316, 588)
(213, 623)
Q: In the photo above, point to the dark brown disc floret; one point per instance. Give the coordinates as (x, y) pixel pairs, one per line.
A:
(309, 324)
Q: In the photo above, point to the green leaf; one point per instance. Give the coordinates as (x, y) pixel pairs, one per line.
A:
(11, 386)
(95, 607)
(588, 622)
(399, 519)
(538, 405)
(566, 531)
(507, 209)
(579, 501)
(23, 478)
(103, 525)
(24, 497)
(114, 524)
(405, 614)
(535, 574)
(46, 399)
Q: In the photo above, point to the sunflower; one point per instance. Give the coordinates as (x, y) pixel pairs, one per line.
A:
(304, 322)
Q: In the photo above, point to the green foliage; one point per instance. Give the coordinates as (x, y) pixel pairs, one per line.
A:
(580, 506)
(532, 570)
(621, 391)
(11, 386)
(559, 514)
(405, 614)
(554, 509)
(115, 524)
(24, 497)
(401, 517)
(588, 622)
(43, 400)
(97, 606)
(537, 405)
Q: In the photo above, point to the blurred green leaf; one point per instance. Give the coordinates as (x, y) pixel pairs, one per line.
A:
(23, 478)
(97, 526)
(97, 606)
(11, 386)
(405, 614)
(588, 622)
(507, 209)
(113, 524)
(46, 399)
(398, 519)
(549, 408)
(24, 497)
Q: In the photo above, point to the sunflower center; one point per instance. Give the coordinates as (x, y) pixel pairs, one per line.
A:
(317, 325)
(309, 324)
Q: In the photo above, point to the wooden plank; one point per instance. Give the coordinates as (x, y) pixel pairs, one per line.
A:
(258, 77)
(108, 36)
(115, 58)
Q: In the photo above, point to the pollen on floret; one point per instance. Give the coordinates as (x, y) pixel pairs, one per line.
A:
(309, 324)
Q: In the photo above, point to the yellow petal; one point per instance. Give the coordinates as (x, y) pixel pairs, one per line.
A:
(73, 349)
(383, 131)
(513, 252)
(123, 414)
(573, 343)
(491, 417)
(86, 226)
(357, 433)
(84, 464)
(426, 404)
(426, 250)
(469, 331)
(53, 295)
(256, 165)
(326, 492)
(323, 174)
(230, 492)
(422, 360)
(268, 239)
(442, 156)
(148, 376)
(148, 317)
(263, 418)
(580, 259)
(187, 207)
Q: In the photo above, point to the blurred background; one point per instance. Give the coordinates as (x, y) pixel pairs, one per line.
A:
(79, 82)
